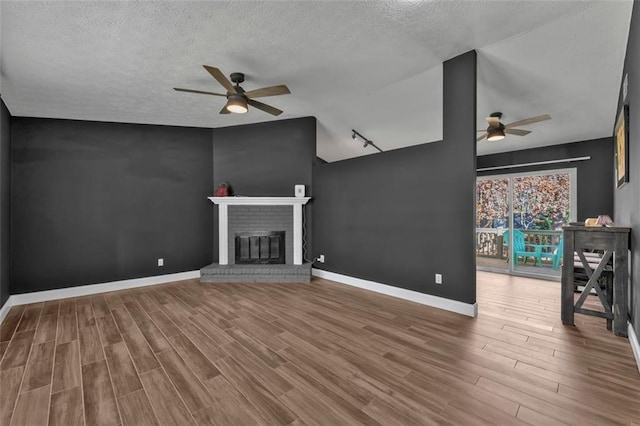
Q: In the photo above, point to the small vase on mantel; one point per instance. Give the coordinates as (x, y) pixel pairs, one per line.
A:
(222, 190)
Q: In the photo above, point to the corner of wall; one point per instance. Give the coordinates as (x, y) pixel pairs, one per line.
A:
(4, 310)
(5, 197)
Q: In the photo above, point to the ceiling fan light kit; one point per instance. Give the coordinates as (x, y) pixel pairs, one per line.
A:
(495, 134)
(237, 104)
(238, 100)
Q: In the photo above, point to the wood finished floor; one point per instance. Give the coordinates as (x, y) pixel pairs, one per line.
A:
(318, 353)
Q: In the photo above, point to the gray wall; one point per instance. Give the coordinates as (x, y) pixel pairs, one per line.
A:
(594, 175)
(401, 216)
(98, 202)
(627, 198)
(5, 201)
(266, 160)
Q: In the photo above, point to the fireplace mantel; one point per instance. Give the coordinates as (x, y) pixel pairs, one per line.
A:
(260, 201)
(223, 220)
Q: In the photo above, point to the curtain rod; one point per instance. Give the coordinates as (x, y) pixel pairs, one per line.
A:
(537, 163)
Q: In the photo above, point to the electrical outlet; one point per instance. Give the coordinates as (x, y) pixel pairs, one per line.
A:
(438, 278)
(321, 258)
(160, 261)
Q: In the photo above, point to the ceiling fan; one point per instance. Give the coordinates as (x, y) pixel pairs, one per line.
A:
(237, 98)
(496, 130)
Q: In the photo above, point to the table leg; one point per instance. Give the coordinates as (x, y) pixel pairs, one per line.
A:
(608, 282)
(566, 303)
(620, 278)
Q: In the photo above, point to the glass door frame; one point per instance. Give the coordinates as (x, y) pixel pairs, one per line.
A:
(573, 207)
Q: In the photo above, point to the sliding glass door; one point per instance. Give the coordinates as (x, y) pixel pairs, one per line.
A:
(519, 221)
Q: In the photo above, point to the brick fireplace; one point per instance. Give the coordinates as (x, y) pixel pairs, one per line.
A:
(245, 226)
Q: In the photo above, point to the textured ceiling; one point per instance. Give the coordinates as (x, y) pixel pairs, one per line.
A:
(373, 66)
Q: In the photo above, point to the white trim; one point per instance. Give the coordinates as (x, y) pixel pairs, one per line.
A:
(5, 308)
(401, 293)
(84, 290)
(260, 201)
(223, 234)
(297, 234)
(635, 345)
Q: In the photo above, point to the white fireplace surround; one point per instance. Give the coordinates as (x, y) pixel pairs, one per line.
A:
(223, 220)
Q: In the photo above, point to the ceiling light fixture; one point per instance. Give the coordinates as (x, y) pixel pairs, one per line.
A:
(237, 104)
(367, 142)
(495, 134)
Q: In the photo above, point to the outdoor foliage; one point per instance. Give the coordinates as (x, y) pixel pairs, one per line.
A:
(540, 202)
(491, 203)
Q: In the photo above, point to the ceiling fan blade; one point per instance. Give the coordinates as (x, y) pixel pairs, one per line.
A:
(268, 91)
(197, 91)
(264, 107)
(530, 120)
(222, 79)
(224, 110)
(493, 121)
(482, 137)
(517, 132)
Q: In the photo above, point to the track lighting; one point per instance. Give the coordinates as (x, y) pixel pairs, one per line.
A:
(367, 142)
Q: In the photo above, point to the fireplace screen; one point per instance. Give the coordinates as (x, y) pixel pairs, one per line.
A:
(260, 247)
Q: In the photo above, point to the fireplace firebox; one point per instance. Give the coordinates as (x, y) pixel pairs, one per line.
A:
(260, 247)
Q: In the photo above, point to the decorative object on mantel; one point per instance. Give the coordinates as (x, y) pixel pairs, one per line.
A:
(222, 190)
(621, 137)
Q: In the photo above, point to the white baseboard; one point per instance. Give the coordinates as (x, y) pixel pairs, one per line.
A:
(84, 290)
(635, 345)
(401, 293)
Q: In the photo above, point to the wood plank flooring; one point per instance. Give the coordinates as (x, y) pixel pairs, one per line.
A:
(319, 353)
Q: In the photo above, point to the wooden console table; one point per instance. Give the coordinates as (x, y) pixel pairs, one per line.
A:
(614, 242)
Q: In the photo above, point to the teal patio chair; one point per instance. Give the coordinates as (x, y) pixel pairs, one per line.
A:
(554, 255)
(520, 249)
